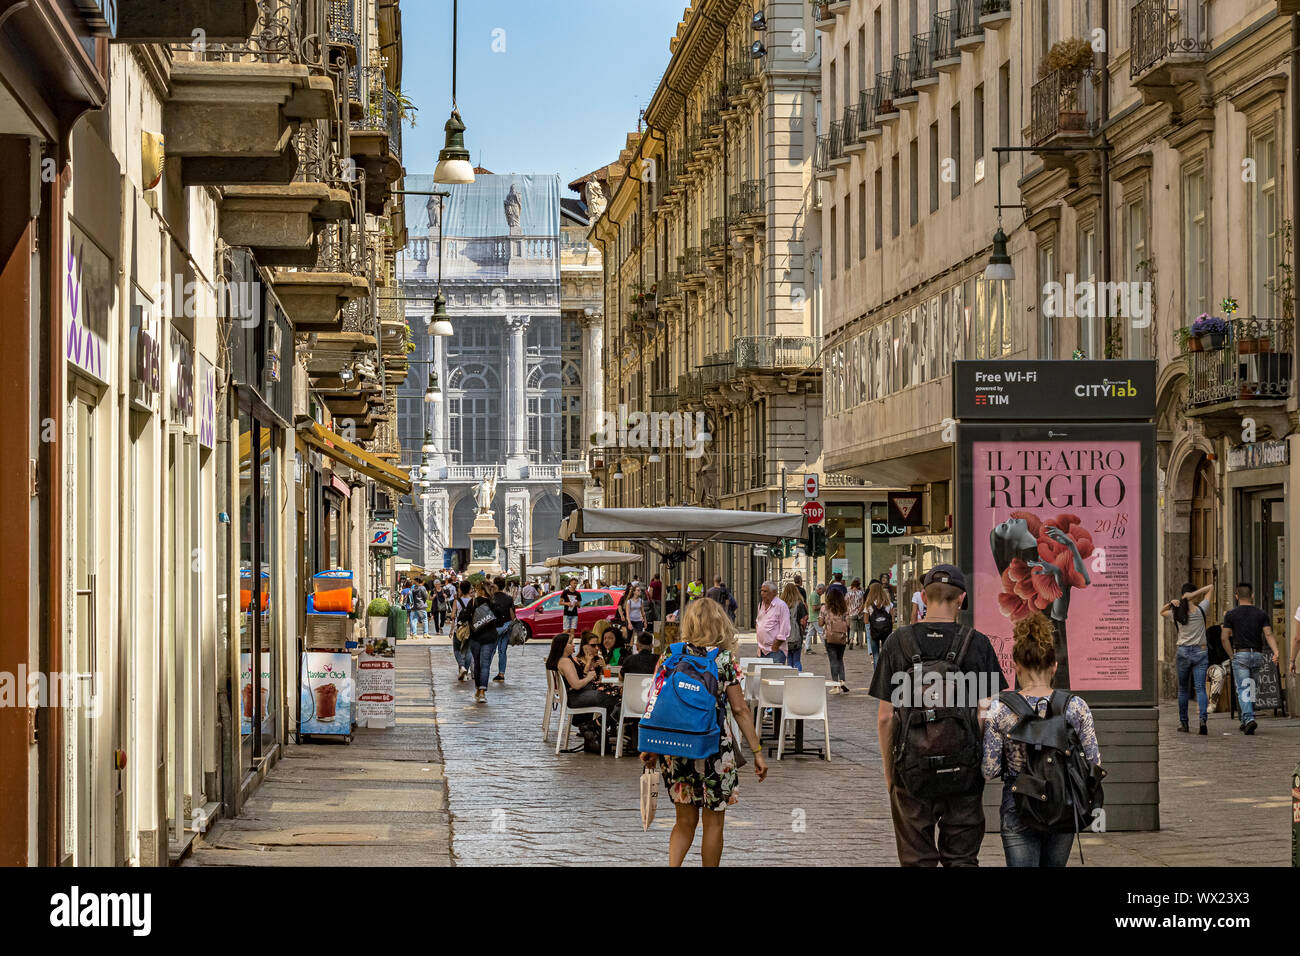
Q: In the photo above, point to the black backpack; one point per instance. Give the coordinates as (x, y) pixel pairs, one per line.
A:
(937, 749)
(881, 623)
(1059, 791)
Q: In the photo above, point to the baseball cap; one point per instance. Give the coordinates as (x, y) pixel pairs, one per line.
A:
(944, 574)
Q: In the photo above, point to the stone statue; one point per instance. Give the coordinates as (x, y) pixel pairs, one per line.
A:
(515, 527)
(595, 200)
(484, 492)
(435, 217)
(514, 206)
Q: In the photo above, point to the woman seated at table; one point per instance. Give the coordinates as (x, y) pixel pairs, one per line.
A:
(582, 673)
(613, 643)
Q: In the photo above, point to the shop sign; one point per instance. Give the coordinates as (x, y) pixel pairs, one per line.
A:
(1101, 390)
(377, 684)
(87, 297)
(146, 358)
(246, 693)
(883, 529)
(181, 381)
(1259, 454)
(326, 693)
(207, 404)
(905, 508)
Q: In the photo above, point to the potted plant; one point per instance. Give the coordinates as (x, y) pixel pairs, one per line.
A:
(1211, 331)
(1185, 340)
(1068, 59)
(823, 9)
(377, 612)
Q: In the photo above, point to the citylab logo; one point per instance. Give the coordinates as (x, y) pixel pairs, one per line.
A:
(1091, 300)
(35, 689)
(652, 430)
(1107, 389)
(76, 909)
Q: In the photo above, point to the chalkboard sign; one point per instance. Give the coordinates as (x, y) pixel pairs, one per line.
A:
(1268, 687)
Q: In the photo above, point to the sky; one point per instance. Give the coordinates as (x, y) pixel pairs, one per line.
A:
(544, 86)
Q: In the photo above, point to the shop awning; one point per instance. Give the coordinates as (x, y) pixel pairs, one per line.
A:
(358, 459)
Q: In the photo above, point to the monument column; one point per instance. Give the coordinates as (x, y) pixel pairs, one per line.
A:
(518, 528)
(516, 403)
(437, 533)
(437, 410)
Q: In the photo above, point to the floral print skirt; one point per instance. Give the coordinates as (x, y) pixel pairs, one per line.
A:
(711, 783)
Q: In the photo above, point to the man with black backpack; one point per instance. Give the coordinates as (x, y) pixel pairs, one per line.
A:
(934, 680)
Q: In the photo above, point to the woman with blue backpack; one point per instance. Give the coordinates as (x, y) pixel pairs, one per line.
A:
(692, 744)
(1038, 825)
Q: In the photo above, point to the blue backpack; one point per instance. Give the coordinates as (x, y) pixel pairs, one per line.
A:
(684, 717)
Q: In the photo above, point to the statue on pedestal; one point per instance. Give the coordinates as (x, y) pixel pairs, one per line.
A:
(484, 492)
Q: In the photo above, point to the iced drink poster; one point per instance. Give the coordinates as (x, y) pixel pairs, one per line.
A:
(326, 694)
(1056, 529)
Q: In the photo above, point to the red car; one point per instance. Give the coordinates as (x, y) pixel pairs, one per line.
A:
(544, 617)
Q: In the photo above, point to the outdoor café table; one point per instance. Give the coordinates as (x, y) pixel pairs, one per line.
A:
(798, 724)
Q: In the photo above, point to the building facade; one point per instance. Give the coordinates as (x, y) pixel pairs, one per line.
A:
(202, 226)
(494, 408)
(1145, 186)
(712, 304)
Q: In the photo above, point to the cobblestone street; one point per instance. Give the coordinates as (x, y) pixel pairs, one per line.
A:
(513, 800)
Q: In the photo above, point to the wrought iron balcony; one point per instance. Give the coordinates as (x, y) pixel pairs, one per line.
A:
(942, 44)
(715, 235)
(1063, 104)
(852, 129)
(669, 286)
(1254, 364)
(869, 111)
(718, 369)
(690, 388)
(343, 26)
(663, 401)
(690, 264)
(739, 72)
(885, 86)
(923, 68)
(964, 18)
(279, 36)
(381, 110)
(837, 140)
(994, 8)
(1168, 33)
(776, 353)
(903, 69)
(822, 158)
(753, 201)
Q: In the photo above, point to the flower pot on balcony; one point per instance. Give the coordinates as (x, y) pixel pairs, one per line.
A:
(1211, 341)
(1072, 121)
(1247, 346)
(1194, 345)
(1247, 391)
(1263, 344)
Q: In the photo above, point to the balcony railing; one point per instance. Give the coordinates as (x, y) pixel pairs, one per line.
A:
(663, 401)
(690, 387)
(280, 36)
(669, 286)
(868, 110)
(1063, 103)
(380, 108)
(923, 47)
(852, 129)
(715, 235)
(885, 86)
(822, 158)
(690, 264)
(739, 71)
(718, 369)
(342, 18)
(903, 68)
(771, 353)
(837, 140)
(753, 201)
(1255, 363)
(964, 18)
(1164, 30)
(942, 45)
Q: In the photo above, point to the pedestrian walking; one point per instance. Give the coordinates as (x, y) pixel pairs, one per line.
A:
(712, 783)
(420, 608)
(835, 632)
(857, 621)
(437, 606)
(1192, 657)
(460, 630)
(695, 589)
(798, 623)
(656, 589)
(1025, 843)
(528, 594)
(634, 605)
(798, 583)
(879, 612)
(837, 583)
(772, 623)
(1245, 630)
(932, 755)
(483, 625)
(723, 596)
(814, 617)
(570, 601)
(405, 594)
(916, 613)
(504, 605)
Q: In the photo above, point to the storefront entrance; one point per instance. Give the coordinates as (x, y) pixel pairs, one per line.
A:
(1261, 549)
(260, 589)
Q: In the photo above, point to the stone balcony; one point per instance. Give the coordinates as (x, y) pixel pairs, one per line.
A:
(174, 21)
(1169, 49)
(1249, 374)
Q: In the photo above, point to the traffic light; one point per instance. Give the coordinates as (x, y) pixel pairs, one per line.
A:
(817, 541)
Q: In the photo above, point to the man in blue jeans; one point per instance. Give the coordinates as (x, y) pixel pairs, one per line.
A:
(1245, 629)
(504, 606)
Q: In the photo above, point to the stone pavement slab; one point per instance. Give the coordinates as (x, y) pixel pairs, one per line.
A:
(513, 800)
(379, 801)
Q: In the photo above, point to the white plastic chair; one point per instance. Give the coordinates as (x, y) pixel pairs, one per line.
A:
(566, 718)
(636, 693)
(769, 697)
(552, 702)
(755, 673)
(804, 699)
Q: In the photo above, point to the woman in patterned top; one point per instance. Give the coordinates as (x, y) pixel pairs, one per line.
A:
(710, 783)
(1034, 655)
(857, 622)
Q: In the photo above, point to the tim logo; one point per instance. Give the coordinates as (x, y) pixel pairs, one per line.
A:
(992, 399)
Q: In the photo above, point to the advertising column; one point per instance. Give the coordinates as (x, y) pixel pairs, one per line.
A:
(1056, 515)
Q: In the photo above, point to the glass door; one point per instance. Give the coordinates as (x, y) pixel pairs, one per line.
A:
(1261, 560)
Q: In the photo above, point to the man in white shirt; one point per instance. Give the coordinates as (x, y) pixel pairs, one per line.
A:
(772, 624)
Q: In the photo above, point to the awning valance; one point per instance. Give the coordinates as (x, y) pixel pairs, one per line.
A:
(343, 451)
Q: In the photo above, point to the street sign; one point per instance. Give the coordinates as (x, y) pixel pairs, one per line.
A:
(905, 508)
(814, 512)
(812, 485)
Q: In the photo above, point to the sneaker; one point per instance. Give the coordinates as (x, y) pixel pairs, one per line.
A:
(463, 674)
(844, 688)
(1249, 728)
(480, 696)
(833, 690)
(500, 678)
(1204, 731)
(1182, 728)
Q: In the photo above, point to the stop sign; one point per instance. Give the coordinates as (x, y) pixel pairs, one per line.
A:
(814, 512)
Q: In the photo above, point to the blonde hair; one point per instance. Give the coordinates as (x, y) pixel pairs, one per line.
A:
(705, 624)
(790, 594)
(876, 594)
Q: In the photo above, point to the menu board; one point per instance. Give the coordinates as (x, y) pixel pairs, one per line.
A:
(377, 685)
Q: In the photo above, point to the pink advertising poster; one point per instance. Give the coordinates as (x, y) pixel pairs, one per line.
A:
(1056, 530)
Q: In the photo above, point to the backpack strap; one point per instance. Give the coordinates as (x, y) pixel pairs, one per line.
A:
(1017, 704)
(1059, 700)
(907, 643)
(965, 635)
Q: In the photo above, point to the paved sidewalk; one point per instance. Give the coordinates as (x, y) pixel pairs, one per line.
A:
(1225, 797)
(379, 801)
